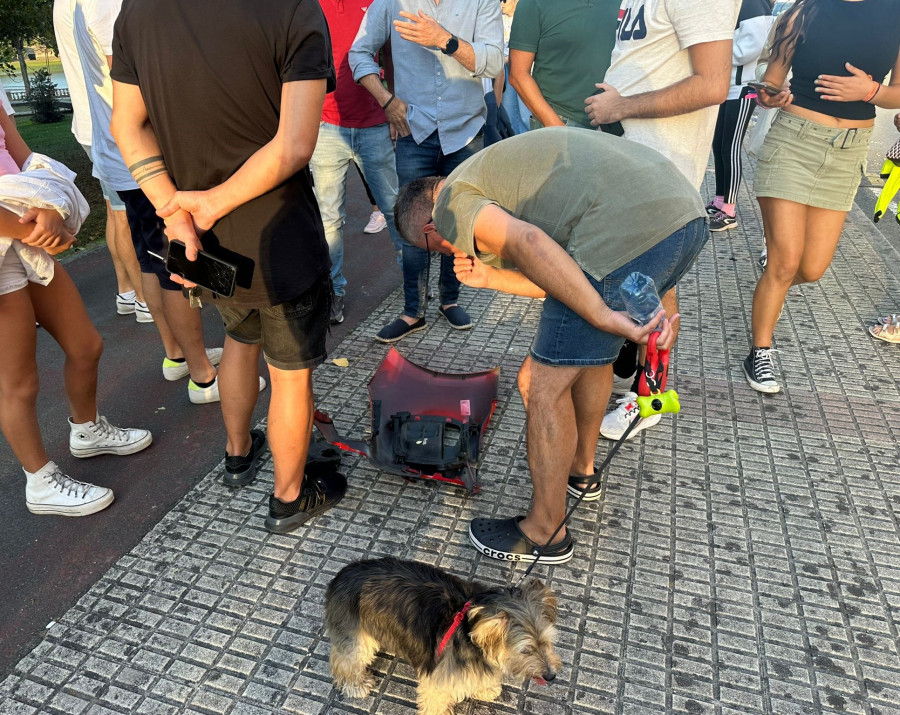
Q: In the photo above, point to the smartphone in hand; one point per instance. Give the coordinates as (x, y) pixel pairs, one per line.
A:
(765, 87)
(615, 128)
(208, 271)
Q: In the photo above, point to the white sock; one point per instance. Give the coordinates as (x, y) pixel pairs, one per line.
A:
(44, 471)
(128, 295)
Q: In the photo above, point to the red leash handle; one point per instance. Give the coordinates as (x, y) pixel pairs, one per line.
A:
(656, 369)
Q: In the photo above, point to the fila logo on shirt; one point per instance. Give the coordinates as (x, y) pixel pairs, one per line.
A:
(631, 24)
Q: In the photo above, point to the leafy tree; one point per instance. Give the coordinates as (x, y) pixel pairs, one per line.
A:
(21, 22)
(44, 104)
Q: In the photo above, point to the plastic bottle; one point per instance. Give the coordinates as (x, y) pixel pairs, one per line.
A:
(640, 296)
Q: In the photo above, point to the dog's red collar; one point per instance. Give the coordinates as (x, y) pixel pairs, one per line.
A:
(457, 619)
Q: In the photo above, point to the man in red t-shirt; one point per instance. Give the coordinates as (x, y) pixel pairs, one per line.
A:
(354, 128)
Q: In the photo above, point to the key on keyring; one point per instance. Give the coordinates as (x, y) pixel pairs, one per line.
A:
(195, 297)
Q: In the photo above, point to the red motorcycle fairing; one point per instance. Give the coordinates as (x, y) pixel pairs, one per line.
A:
(401, 393)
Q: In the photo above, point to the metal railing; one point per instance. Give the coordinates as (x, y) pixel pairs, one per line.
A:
(22, 96)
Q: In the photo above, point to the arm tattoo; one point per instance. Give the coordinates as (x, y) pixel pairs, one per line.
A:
(146, 169)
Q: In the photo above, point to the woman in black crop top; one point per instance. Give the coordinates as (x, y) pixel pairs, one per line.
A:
(811, 162)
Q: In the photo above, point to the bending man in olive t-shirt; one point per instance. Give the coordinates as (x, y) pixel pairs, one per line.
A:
(580, 191)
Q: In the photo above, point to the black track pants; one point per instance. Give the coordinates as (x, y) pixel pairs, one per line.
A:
(731, 126)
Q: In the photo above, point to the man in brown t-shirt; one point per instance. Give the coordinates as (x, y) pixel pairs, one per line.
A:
(216, 110)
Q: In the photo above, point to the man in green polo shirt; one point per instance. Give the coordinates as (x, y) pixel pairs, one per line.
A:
(560, 213)
(557, 51)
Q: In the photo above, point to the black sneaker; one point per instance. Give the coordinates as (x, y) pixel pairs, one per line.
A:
(241, 471)
(318, 495)
(337, 309)
(721, 221)
(712, 209)
(759, 369)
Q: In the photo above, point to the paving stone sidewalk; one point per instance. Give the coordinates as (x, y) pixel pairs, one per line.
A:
(744, 558)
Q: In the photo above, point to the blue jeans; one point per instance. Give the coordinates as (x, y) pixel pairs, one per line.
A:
(566, 339)
(372, 151)
(497, 125)
(515, 107)
(415, 161)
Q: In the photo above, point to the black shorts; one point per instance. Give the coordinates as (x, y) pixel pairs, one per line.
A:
(147, 234)
(292, 333)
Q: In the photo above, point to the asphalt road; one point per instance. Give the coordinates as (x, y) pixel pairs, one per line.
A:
(47, 562)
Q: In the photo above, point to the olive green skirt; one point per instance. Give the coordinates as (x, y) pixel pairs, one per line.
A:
(812, 164)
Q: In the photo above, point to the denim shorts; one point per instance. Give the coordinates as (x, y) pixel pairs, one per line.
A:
(292, 334)
(565, 339)
(810, 163)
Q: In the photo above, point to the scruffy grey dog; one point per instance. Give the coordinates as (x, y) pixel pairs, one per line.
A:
(460, 637)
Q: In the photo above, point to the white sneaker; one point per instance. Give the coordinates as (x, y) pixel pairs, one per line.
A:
(100, 437)
(617, 421)
(176, 370)
(49, 491)
(142, 312)
(125, 303)
(377, 223)
(205, 395)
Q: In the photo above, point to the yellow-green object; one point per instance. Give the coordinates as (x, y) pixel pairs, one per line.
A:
(658, 404)
(891, 172)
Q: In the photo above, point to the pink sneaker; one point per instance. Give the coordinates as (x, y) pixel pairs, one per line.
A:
(377, 223)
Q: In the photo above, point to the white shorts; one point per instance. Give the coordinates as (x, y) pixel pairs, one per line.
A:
(12, 273)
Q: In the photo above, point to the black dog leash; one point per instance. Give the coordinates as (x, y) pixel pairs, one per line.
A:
(590, 483)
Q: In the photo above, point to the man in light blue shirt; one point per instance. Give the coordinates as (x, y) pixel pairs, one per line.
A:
(440, 51)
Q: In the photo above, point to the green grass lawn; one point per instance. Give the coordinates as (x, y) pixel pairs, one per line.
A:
(57, 142)
(53, 64)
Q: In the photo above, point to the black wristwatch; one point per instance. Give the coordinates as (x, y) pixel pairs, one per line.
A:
(452, 45)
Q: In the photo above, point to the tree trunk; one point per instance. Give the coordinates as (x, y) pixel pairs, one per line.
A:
(23, 68)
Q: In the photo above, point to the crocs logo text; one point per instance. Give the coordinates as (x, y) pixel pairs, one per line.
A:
(501, 555)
